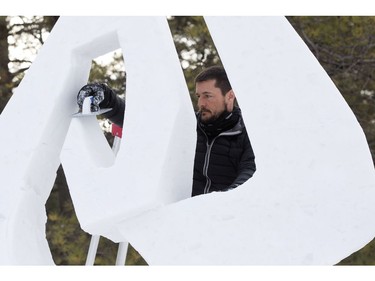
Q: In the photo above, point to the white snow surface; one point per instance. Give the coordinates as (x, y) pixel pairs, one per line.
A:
(310, 201)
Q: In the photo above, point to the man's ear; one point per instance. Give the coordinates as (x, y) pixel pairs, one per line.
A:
(230, 95)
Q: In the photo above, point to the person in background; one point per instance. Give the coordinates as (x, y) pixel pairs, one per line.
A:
(224, 158)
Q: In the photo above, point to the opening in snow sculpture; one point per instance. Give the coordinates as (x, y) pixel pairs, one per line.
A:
(308, 203)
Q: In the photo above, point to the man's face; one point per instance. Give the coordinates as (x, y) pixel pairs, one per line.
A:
(211, 102)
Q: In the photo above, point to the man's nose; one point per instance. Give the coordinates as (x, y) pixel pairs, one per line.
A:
(201, 102)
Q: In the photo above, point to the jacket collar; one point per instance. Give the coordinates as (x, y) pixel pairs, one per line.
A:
(230, 123)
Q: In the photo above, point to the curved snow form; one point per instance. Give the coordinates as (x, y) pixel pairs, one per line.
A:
(154, 164)
(308, 202)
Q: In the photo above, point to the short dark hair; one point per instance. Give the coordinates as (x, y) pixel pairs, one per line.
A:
(218, 74)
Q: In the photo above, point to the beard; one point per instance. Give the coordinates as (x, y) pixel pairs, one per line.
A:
(207, 116)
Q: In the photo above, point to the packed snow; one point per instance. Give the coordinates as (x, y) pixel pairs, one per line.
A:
(308, 202)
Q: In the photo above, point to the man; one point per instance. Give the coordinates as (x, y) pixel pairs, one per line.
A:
(224, 157)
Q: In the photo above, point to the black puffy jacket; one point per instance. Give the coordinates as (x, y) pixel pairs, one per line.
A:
(223, 161)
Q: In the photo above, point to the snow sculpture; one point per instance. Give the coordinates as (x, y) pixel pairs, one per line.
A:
(313, 191)
(37, 119)
(308, 202)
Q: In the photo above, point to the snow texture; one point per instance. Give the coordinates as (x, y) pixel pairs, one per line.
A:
(308, 203)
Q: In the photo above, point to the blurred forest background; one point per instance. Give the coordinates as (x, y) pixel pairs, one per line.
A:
(344, 46)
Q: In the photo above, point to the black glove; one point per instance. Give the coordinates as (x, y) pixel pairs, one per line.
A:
(103, 97)
(99, 92)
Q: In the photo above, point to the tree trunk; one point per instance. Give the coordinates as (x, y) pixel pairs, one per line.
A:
(5, 75)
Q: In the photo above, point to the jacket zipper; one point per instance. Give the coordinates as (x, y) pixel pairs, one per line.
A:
(208, 155)
(206, 164)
